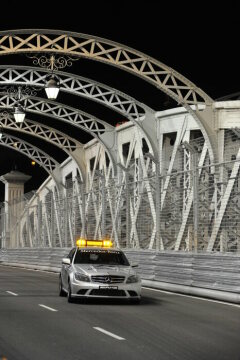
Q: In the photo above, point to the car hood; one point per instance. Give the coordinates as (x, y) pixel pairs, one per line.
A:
(104, 269)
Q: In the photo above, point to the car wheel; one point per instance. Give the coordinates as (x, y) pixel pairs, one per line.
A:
(69, 295)
(61, 291)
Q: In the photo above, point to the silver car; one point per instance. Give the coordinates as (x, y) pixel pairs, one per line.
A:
(98, 272)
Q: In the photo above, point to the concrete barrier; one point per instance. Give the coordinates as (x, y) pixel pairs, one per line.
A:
(214, 275)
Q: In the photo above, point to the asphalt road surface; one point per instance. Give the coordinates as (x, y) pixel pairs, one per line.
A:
(35, 323)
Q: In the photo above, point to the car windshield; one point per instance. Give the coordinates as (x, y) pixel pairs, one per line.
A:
(100, 257)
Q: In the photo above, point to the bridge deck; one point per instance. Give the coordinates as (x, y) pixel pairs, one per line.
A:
(165, 326)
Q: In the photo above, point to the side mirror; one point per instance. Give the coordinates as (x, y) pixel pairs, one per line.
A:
(134, 265)
(66, 261)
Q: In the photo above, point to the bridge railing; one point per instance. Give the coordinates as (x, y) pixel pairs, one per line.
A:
(211, 275)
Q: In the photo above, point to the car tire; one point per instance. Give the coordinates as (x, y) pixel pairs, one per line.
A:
(61, 291)
(69, 294)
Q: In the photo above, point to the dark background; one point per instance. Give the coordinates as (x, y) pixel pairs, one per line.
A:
(199, 40)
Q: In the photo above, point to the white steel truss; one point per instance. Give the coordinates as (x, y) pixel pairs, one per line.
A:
(47, 133)
(110, 97)
(58, 111)
(189, 202)
(104, 205)
(51, 135)
(224, 202)
(43, 159)
(77, 85)
(95, 48)
(75, 117)
(158, 74)
(124, 203)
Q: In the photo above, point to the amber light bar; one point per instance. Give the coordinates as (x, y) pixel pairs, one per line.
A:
(97, 243)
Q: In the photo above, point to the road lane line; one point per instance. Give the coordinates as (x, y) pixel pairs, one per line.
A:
(163, 291)
(192, 297)
(109, 333)
(47, 307)
(12, 293)
(23, 268)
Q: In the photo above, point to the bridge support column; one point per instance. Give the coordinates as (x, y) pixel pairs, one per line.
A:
(14, 191)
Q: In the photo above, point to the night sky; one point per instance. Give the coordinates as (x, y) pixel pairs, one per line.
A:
(198, 40)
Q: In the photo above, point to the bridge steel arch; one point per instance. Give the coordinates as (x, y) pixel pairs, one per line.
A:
(95, 48)
(85, 121)
(137, 112)
(77, 85)
(51, 135)
(73, 116)
(43, 159)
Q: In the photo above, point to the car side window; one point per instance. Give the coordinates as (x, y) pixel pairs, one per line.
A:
(71, 254)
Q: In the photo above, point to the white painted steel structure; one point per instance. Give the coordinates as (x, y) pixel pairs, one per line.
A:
(81, 45)
(164, 180)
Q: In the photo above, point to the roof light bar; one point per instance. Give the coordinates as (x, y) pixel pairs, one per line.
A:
(94, 243)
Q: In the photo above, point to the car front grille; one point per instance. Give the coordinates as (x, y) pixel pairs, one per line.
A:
(108, 279)
(107, 292)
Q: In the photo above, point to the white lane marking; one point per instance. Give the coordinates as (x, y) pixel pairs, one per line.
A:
(192, 297)
(47, 307)
(109, 333)
(23, 268)
(12, 293)
(163, 291)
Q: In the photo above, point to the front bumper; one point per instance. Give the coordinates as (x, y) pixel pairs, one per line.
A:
(99, 290)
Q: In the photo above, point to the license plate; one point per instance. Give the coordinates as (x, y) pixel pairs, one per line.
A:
(109, 287)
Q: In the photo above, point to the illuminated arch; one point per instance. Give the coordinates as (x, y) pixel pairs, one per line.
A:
(158, 74)
(52, 136)
(44, 160)
(132, 109)
(86, 122)
(77, 85)
(96, 48)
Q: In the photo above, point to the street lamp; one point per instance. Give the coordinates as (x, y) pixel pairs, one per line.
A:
(52, 63)
(19, 114)
(18, 95)
(52, 88)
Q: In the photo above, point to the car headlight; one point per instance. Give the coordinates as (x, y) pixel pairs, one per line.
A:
(82, 277)
(133, 279)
